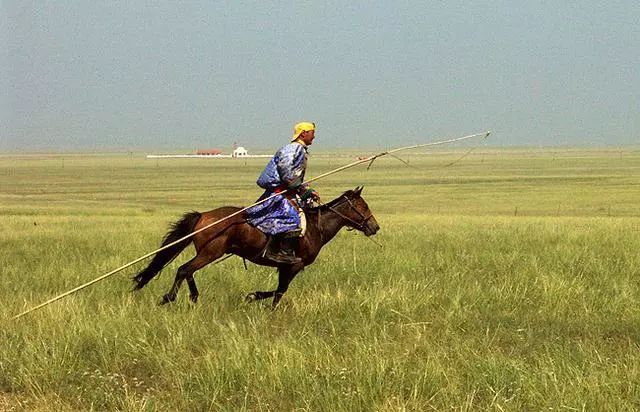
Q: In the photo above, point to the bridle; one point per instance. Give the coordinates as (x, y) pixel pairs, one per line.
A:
(357, 225)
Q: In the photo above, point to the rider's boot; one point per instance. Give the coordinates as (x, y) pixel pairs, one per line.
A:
(281, 249)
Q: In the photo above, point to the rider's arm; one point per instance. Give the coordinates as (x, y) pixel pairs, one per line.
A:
(291, 166)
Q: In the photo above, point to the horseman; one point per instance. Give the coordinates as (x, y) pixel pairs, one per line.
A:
(282, 217)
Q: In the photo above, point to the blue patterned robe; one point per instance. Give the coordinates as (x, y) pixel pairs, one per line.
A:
(284, 171)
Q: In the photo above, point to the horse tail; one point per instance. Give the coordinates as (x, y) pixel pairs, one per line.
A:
(177, 230)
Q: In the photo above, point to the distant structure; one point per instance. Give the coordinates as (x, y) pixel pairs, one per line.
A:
(240, 152)
(209, 152)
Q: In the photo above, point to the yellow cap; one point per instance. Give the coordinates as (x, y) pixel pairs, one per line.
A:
(302, 127)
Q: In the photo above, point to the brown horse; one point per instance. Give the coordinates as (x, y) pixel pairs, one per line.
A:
(237, 237)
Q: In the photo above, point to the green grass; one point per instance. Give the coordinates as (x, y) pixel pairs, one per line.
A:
(508, 281)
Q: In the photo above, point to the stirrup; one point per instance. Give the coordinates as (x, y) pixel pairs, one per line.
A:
(279, 255)
(282, 258)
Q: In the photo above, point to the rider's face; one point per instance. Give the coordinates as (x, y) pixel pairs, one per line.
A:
(307, 136)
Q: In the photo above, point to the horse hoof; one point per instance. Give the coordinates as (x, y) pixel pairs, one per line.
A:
(194, 299)
(251, 297)
(164, 300)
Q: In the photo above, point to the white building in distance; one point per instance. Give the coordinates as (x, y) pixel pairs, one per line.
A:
(240, 152)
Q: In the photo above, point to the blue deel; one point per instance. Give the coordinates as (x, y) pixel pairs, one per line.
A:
(285, 170)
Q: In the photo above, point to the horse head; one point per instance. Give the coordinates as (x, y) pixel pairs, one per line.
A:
(353, 208)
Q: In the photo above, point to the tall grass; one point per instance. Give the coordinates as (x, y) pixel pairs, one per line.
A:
(468, 305)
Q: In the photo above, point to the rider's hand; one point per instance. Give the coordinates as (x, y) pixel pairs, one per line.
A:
(310, 193)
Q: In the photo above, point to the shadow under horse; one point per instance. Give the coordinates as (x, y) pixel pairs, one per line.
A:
(237, 237)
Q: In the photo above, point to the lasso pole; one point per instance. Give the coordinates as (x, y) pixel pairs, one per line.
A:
(339, 169)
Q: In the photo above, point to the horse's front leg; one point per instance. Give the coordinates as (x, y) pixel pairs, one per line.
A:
(259, 295)
(285, 276)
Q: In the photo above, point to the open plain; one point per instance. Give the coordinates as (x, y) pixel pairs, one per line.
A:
(509, 280)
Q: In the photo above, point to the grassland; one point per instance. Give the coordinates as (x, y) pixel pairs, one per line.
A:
(508, 281)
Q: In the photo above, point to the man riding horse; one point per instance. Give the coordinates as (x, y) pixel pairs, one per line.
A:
(268, 233)
(282, 217)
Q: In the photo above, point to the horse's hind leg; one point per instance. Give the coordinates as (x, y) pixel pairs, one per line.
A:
(193, 290)
(186, 272)
(183, 272)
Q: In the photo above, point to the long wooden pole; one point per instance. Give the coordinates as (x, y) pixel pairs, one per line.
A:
(484, 135)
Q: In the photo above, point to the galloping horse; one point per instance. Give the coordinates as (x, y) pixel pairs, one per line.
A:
(237, 237)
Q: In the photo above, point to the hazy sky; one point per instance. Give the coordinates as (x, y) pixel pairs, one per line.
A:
(132, 75)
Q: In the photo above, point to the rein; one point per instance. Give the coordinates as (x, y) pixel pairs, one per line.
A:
(358, 225)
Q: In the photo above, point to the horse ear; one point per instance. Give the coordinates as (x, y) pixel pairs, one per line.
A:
(359, 190)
